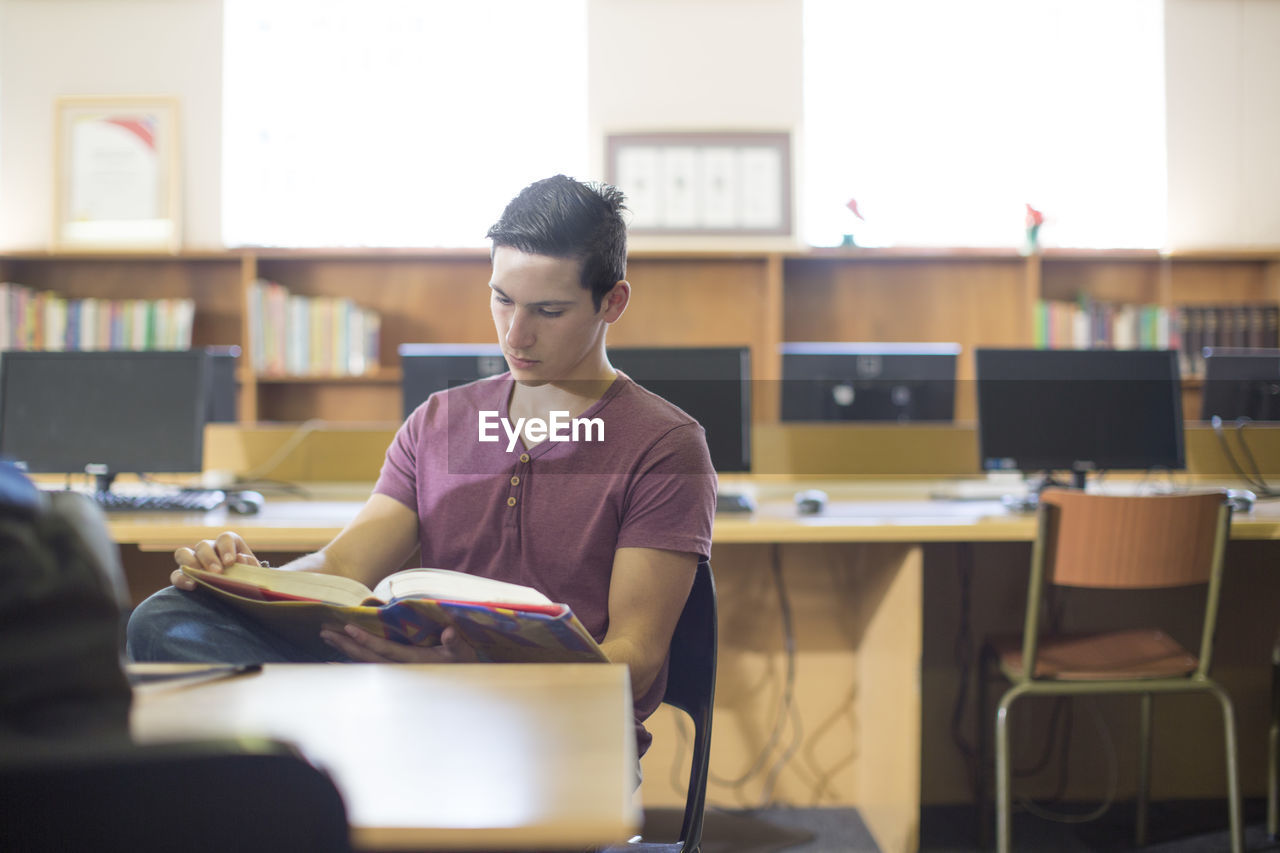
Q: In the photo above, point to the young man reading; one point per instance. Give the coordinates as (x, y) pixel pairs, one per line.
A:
(612, 524)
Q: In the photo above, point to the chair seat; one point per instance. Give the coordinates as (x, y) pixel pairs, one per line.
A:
(1118, 655)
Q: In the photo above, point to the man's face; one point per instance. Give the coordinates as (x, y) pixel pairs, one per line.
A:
(547, 325)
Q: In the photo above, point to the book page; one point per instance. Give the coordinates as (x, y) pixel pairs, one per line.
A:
(311, 585)
(455, 586)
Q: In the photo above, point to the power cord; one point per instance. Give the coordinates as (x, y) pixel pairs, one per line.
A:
(1113, 779)
(283, 452)
(786, 703)
(1255, 482)
(964, 662)
(789, 639)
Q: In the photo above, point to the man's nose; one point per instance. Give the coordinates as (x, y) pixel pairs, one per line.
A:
(520, 332)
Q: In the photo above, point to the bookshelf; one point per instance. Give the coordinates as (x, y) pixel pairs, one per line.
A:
(743, 298)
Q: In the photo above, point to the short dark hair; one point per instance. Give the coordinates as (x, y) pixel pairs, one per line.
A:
(565, 218)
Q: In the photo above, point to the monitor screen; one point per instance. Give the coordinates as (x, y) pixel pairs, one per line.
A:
(869, 381)
(1079, 410)
(428, 368)
(223, 390)
(711, 384)
(1241, 383)
(105, 412)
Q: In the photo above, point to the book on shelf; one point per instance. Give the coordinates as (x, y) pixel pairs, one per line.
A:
(1090, 324)
(33, 319)
(298, 335)
(1254, 325)
(504, 622)
(1188, 329)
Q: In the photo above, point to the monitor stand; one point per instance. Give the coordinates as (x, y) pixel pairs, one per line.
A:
(1030, 501)
(1047, 480)
(102, 478)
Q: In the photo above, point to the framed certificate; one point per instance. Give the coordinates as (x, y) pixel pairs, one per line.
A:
(116, 179)
(704, 183)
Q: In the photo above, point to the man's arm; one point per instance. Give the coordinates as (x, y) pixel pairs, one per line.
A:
(372, 545)
(646, 596)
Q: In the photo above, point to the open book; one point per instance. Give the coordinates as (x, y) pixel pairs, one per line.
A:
(502, 621)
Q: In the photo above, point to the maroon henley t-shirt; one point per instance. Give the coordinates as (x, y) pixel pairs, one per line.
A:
(552, 516)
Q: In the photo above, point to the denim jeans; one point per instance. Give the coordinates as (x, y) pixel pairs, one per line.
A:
(174, 625)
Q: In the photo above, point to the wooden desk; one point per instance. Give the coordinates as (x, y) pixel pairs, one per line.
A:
(874, 537)
(858, 511)
(504, 757)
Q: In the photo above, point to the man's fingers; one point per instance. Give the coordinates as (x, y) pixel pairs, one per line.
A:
(212, 555)
(457, 648)
(230, 546)
(181, 581)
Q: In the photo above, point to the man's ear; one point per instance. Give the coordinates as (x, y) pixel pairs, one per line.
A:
(615, 301)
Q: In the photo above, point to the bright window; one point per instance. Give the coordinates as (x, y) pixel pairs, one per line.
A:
(944, 119)
(395, 122)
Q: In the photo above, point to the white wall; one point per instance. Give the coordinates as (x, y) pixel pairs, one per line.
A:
(703, 65)
(1223, 105)
(51, 48)
(654, 65)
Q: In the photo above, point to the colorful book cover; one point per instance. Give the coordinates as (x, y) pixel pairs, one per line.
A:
(498, 632)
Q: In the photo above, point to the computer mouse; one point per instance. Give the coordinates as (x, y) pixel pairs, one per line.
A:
(1241, 500)
(245, 502)
(811, 501)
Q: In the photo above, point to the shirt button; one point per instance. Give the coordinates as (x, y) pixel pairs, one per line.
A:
(524, 457)
(515, 481)
(511, 501)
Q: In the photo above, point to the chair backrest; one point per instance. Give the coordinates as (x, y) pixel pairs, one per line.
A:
(94, 794)
(1125, 542)
(62, 605)
(691, 687)
(1122, 542)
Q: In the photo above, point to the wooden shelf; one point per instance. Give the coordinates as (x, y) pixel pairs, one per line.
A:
(757, 298)
(381, 376)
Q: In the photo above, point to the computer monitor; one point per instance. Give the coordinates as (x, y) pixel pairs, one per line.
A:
(869, 381)
(1241, 383)
(1079, 410)
(104, 412)
(711, 384)
(428, 368)
(222, 399)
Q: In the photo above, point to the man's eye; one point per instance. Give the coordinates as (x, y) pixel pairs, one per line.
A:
(501, 300)
(547, 312)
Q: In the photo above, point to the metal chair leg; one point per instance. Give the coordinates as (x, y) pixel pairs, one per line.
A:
(1233, 770)
(1273, 754)
(1273, 783)
(1144, 772)
(981, 782)
(1004, 804)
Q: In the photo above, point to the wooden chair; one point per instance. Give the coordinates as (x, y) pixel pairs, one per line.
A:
(1106, 542)
(691, 687)
(217, 795)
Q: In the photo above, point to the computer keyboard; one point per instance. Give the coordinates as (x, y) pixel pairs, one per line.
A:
(731, 502)
(188, 500)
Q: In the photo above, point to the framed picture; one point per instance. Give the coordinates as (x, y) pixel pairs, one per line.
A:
(704, 183)
(116, 176)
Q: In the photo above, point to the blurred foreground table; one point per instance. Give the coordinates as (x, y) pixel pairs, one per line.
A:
(437, 757)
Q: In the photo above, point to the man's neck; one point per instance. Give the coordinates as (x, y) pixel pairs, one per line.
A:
(573, 396)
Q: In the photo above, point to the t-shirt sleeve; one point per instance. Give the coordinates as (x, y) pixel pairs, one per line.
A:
(671, 503)
(398, 478)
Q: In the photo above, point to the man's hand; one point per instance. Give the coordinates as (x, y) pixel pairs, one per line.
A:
(360, 645)
(212, 555)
